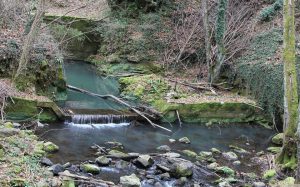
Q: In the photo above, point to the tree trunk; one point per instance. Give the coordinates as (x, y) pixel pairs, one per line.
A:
(29, 40)
(220, 32)
(287, 157)
(207, 40)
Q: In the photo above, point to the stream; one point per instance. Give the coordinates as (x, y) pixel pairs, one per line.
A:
(75, 137)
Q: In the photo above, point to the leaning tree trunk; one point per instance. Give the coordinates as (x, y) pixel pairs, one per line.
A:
(287, 157)
(220, 32)
(29, 40)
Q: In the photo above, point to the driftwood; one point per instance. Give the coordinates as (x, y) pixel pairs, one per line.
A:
(118, 100)
(179, 120)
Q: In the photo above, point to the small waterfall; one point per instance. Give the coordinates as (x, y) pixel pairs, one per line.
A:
(99, 119)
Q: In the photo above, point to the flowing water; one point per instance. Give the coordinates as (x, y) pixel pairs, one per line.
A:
(76, 136)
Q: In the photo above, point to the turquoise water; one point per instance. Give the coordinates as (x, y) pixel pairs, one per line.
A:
(83, 75)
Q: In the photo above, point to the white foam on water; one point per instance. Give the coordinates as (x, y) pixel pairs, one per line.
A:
(99, 126)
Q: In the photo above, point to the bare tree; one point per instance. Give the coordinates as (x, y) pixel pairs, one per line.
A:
(30, 38)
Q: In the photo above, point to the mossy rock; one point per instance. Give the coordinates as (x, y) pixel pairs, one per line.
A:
(278, 139)
(269, 174)
(50, 147)
(90, 168)
(274, 150)
(189, 153)
(225, 170)
(289, 181)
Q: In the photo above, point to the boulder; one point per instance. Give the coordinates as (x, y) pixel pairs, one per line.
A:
(103, 161)
(181, 168)
(184, 140)
(278, 139)
(164, 148)
(189, 153)
(50, 147)
(230, 156)
(90, 168)
(130, 181)
(144, 161)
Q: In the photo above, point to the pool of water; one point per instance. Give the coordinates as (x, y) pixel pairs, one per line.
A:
(75, 140)
(83, 75)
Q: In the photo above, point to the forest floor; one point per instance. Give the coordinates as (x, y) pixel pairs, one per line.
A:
(95, 10)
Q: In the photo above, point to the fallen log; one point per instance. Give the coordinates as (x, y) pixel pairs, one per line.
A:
(118, 100)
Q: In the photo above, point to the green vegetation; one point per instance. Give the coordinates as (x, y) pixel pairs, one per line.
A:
(269, 12)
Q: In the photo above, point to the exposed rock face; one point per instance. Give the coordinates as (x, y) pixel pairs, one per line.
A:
(130, 181)
(90, 168)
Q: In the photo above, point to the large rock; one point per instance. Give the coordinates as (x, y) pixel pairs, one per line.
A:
(184, 140)
(181, 168)
(278, 139)
(90, 168)
(50, 147)
(144, 161)
(230, 156)
(103, 161)
(130, 181)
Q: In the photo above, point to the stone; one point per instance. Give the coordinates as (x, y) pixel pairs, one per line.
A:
(238, 149)
(103, 161)
(90, 168)
(230, 156)
(184, 140)
(46, 162)
(236, 163)
(16, 125)
(172, 155)
(278, 139)
(189, 153)
(7, 132)
(224, 184)
(144, 161)
(259, 184)
(56, 169)
(172, 140)
(164, 148)
(212, 166)
(269, 174)
(67, 165)
(205, 154)
(274, 150)
(122, 164)
(182, 169)
(260, 153)
(215, 151)
(50, 147)
(130, 181)
(117, 154)
(8, 124)
(162, 168)
(225, 170)
(165, 176)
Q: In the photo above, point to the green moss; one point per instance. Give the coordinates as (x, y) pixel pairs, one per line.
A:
(23, 109)
(50, 147)
(225, 170)
(269, 174)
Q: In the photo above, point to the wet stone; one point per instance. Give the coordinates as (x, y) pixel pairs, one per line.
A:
(164, 148)
(46, 162)
(184, 140)
(56, 169)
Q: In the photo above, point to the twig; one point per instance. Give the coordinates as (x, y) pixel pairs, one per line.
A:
(178, 117)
